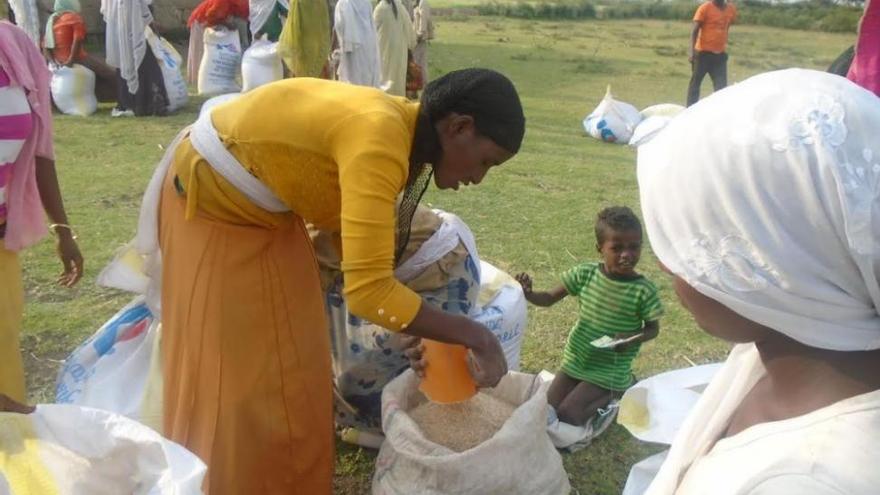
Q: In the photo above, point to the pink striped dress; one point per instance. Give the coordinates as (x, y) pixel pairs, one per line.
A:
(16, 124)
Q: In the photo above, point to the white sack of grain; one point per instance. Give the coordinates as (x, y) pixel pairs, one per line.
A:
(73, 450)
(73, 89)
(518, 459)
(662, 110)
(612, 121)
(170, 63)
(502, 308)
(220, 63)
(260, 64)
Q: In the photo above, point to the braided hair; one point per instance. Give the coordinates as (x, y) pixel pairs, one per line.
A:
(486, 96)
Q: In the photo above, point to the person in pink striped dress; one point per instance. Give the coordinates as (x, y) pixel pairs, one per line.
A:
(865, 68)
(29, 190)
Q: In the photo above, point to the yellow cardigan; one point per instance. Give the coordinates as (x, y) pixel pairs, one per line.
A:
(338, 156)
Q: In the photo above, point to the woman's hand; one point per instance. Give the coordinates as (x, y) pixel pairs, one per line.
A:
(487, 362)
(9, 405)
(71, 259)
(414, 350)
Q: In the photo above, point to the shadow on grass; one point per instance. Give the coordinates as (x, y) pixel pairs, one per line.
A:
(43, 355)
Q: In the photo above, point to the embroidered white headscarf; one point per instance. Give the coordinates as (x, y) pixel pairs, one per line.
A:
(764, 198)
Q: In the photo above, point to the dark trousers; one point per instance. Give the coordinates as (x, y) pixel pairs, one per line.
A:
(151, 97)
(714, 64)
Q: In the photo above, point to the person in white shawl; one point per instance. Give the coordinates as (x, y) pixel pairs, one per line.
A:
(27, 17)
(266, 17)
(424, 28)
(396, 37)
(775, 247)
(141, 88)
(358, 47)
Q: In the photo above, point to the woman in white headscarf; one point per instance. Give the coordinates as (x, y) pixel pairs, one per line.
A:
(775, 248)
(141, 85)
(358, 47)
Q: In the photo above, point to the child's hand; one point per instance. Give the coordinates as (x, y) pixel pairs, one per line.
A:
(526, 282)
(625, 345)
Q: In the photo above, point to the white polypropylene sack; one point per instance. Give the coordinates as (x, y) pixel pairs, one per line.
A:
(261, 64)
(643, 473)
(170, 64)
(220, 63)
(71, 450)
(502, 308)
(654, 409)
(571, 438)
(612, 121)
(662, 110)
(73, 89)
(518, 459)
(117, 368)
(125, 272)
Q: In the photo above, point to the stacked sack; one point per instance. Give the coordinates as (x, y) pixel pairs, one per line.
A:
(170, 64)
(261, 64)
(220, 63)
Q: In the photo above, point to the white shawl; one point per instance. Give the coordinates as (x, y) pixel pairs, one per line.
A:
(260, 10)
(764, 197)
(127, 21)
(359, 49)
(27, 17)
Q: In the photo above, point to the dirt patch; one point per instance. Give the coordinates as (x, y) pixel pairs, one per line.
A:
(43, 355)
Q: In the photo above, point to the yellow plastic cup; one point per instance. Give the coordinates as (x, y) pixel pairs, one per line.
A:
(447, 377)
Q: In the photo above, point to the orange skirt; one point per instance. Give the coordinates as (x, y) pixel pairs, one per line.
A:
(246, 352)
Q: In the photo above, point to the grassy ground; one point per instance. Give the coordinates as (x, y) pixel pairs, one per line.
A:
(534, 214)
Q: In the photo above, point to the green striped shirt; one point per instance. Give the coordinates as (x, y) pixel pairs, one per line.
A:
(607, 307)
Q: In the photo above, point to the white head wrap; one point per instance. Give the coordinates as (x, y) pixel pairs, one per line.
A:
(764, 198)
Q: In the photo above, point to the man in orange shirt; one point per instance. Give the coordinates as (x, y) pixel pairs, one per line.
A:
(707, 52)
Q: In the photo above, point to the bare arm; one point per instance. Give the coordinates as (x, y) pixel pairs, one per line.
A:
(695, 32)
(544, 299)
(77, 46)
(50, 195)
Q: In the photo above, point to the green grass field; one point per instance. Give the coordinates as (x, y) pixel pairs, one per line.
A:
(533, 214)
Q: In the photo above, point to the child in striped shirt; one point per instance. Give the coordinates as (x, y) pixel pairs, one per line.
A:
(619, 309)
